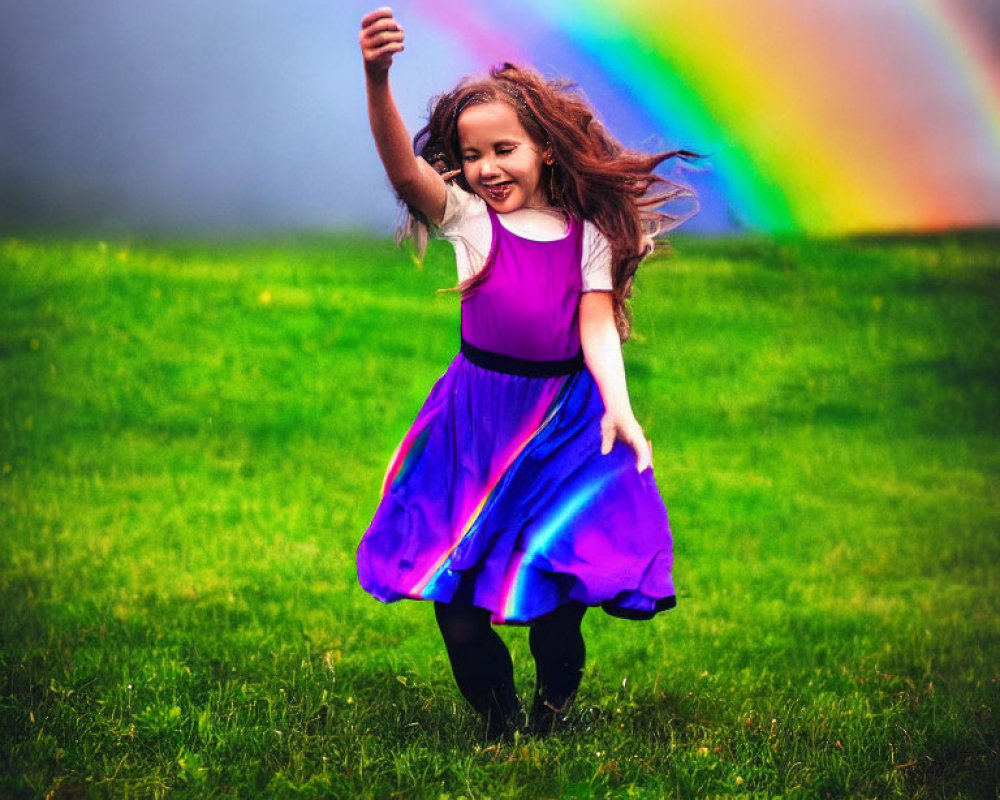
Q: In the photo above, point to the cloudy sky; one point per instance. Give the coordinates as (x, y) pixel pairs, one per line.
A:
(226, 116)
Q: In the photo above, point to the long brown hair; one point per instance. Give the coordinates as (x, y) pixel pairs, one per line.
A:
(593, 177)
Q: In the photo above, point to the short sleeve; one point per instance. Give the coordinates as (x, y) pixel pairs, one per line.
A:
(458, 206)
(596, 260)
(466, 224)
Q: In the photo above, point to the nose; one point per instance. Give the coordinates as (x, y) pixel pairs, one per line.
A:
(488, 167)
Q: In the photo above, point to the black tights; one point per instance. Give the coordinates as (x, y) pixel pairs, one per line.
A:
(483, 668)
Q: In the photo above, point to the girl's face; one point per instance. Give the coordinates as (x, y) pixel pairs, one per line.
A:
(500, 161)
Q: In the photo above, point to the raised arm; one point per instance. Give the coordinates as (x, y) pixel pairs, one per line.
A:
(414, 179)
(602, 350)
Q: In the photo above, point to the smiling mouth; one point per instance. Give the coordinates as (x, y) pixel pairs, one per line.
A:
(498, 191)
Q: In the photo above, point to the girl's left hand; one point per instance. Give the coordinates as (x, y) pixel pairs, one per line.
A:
(625, 428)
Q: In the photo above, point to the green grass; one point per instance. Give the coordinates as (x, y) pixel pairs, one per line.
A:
(192, 437)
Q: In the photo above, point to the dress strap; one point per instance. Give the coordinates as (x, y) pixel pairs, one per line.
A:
(510, 365)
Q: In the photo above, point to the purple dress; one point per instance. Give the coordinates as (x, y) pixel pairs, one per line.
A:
(498, 496)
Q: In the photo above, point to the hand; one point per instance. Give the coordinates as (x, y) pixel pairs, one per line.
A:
(625, 428)
(381, 38)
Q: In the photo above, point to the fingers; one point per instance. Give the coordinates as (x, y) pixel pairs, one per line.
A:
(384, 28)
(607, 440)
(636, 439)
(630, 435)
(374, 16)
(643, 456)
(381, 37)
(380, 34)
(382, 51)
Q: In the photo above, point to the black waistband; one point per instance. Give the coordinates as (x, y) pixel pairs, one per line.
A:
(521, 366)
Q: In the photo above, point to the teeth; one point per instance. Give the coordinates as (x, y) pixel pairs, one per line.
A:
(498, 191)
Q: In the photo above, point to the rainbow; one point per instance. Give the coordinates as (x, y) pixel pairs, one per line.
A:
(824, 117)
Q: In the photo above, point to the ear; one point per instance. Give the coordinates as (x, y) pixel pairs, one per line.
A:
(547, 158)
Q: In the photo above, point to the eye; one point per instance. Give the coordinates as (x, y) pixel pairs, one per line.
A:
(505, 151)
(470, 157)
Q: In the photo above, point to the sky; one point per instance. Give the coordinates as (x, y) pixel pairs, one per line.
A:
(245, 116)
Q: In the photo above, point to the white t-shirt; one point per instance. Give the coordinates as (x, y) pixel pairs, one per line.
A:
(467, 226)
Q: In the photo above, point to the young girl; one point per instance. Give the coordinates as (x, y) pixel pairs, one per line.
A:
(524, 492)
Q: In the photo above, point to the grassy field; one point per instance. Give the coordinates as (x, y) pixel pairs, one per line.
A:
(192, 436)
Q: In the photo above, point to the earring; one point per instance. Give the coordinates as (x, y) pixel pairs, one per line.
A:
(555, 190)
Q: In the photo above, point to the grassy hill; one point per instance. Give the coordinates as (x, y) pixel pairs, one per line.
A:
(192, 438)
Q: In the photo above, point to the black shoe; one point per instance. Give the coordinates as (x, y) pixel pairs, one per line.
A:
(501, 727)
(545, 717)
